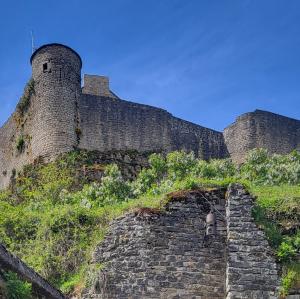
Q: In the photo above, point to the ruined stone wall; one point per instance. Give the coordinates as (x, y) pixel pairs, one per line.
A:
(149, 254)
(166, 254)
(113, 124)
(18, 127)
(252, 271)
(262, 129)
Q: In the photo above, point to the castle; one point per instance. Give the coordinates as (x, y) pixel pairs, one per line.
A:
(57, 115)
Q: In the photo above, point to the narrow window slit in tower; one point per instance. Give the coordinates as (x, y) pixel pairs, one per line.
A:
(45, 67)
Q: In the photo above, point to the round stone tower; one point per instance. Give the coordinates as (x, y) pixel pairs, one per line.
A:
(56, 71)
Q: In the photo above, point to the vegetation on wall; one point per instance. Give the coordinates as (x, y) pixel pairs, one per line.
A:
(20, 144)
(24, 101)
(53, 217)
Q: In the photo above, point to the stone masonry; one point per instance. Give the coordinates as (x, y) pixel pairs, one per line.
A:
(61, 115)
(167, 254)
(262, 129)
(251, 271)
(149, 254)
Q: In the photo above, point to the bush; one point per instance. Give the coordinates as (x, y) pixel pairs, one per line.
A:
(149, 177)
(288, 280)
(264, 169)
(24, 101)
(113, 187)
(20, 144)
(16, 288)
(180, 164)
(286, 252)
(217, 169)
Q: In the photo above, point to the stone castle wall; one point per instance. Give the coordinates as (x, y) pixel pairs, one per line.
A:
(112, 124)
(57, 83)
(262, 129)
(62, 116)
(166, 254)
(16, 128)
(48, 125)
(99, 123)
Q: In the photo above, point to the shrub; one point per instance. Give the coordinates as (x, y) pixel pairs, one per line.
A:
(264, 169)
(16, 288)
(288, 280)
(217, 169)
(112, 189)
(158, 164)
(180, 164)
(144, 182)
(286, 251)
(20, 145)
(24, 101)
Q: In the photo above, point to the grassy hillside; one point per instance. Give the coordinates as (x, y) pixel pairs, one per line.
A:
(53, 216)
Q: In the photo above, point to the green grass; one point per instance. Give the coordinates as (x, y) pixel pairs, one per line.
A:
(277, 211)
(284, 198)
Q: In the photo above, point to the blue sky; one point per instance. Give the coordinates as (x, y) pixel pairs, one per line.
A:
(203, 61)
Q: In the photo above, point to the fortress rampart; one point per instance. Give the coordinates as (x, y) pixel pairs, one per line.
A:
(57, 115)
(107, 123)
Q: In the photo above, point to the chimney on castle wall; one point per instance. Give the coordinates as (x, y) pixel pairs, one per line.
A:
(97, 85)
